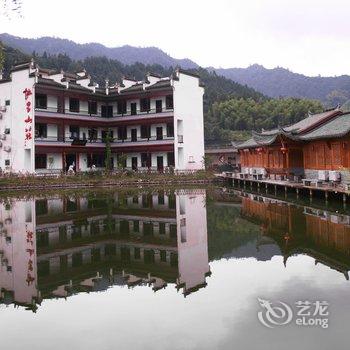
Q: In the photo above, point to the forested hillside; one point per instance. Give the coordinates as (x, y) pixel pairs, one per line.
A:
(231, 119)
(126, 54)
(279, 82)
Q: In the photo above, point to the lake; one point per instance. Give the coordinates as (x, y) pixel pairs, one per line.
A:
(213, 268)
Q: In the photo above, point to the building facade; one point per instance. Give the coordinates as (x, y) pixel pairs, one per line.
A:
(317, 147)
(52, 120)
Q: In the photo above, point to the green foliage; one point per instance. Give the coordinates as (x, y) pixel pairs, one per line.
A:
(108, 152)
(227, 118)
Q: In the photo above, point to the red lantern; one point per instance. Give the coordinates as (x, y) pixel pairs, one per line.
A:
(284, 150)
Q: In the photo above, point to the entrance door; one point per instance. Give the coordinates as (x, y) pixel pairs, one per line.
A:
(134, 163)
(133, 108)
(133, 135)
(71, 159)
(159, 106)
(159, 133)
(160, 166)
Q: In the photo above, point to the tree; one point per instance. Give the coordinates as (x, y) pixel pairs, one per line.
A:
(108, 152)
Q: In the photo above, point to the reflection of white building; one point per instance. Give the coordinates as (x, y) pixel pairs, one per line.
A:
(191, 218)
(18, 265)
(64, 244)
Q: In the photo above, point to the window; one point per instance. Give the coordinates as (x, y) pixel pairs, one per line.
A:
(121, 107)
(74, 132)
(110, 249)
(169, 103)
(97, 159)
(137, 253)
(145, 131)
(161, 200)
(107, 111)
(92, 133)
(7, 102)
(41, 130)
(136, 225)
(173, 231)
(7, 131)
(162, 228)
(7, 162)
(171, 159)
(133, 108)
(145, 160)
(92, 107)
(163, 255)
(122, 133)
(170, 130)
(42, 239)
(40, 161)
(74, 105)
(148, 229)
(77, 259)
(149, 256)
(145, 104)
(40, 101)
(41, 207)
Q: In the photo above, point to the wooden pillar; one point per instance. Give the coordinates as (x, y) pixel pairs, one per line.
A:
(310, 191)
(297, 190)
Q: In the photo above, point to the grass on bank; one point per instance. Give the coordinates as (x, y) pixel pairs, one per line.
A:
(101, 177)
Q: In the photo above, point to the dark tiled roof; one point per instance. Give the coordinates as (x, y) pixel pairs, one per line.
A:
(159, 84)
(337, 127)
(50, 82)
(314, 126)
(20, 66)
(133, 88)
(75, 86)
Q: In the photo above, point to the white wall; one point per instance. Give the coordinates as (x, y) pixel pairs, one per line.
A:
(13, 119)
(188, 107)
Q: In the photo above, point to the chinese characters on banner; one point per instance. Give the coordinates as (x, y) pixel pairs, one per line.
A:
(30, 253)
(28, 132)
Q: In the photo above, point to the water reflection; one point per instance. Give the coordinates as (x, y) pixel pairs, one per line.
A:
(316, 232)
(62, 245)
(65, 244)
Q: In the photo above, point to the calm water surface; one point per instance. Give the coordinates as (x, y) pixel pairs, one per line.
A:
(184, 269)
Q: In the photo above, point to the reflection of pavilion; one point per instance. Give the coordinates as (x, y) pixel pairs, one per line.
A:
(63, 245)
(317, 233)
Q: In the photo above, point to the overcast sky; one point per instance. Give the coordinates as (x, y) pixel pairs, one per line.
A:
(306, 36)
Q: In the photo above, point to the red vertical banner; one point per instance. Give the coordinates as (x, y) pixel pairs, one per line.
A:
(28, 121)
(30, 251)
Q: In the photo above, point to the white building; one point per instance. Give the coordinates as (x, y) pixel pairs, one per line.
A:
(50, 120)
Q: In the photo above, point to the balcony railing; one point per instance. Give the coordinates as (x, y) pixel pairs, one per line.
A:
(82, 112)
(69, 139)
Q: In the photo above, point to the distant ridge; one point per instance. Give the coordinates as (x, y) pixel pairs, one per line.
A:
(281, 82)
(276, 82)
(125, 54)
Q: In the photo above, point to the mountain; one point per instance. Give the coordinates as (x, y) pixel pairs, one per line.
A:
(279, 82)
(276, 82)
(125, 54)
